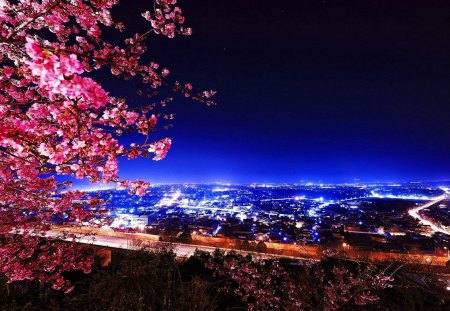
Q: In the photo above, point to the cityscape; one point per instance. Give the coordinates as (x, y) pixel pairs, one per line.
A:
(394, 218)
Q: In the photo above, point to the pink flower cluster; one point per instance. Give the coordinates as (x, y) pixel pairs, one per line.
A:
(166, 19)
(137, 187)
(160, 148)
(60, 76)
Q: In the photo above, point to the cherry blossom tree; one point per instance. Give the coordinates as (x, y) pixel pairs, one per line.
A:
(268, 285)
(56, 119)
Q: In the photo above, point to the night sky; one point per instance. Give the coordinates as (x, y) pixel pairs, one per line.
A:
(327, 91)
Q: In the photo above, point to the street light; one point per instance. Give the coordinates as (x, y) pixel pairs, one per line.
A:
(345, 245)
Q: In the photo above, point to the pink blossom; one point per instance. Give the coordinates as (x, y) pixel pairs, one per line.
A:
(160, 148)
(139, 187)
(147, 15)
(56, 119)
(165, 72)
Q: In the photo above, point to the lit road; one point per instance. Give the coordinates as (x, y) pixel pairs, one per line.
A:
(414, 212)
(181, 250)
(136, 242)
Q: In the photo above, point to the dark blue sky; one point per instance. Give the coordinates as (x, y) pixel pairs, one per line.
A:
(308, 90)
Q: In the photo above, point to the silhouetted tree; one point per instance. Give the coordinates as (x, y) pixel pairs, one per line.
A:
(261, 247)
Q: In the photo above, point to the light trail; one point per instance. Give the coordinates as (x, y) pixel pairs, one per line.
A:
(414, 212)
(205, 208)
(169, 201)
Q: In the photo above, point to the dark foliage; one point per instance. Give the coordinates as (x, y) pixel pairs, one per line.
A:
(157, 280)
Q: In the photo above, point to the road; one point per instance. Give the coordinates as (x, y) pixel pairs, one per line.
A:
(414, 212)
(181, 250)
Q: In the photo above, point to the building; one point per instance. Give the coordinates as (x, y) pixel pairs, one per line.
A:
(130, 221)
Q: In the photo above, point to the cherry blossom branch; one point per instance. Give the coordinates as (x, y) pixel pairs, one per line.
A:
(32, 19)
